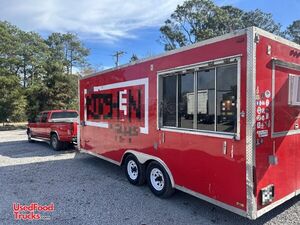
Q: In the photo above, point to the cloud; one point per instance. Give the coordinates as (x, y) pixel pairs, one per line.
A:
(227, 2)
(106, 20)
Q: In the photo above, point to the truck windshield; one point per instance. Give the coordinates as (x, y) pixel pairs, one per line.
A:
(58, 115)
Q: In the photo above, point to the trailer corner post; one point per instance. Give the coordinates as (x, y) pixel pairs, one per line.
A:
(250, 122)
(78, 125)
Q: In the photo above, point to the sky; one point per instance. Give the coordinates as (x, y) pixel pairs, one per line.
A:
(107, 26)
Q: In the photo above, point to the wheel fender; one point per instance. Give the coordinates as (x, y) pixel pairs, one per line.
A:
(54, 132)
(143, 157)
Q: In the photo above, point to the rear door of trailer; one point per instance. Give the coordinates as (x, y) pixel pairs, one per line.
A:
(277, 119)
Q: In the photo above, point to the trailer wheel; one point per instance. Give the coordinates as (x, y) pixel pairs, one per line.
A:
(135, 171)
(158, 180)
(55, 143)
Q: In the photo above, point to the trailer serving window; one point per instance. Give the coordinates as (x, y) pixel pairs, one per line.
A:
(202, 99)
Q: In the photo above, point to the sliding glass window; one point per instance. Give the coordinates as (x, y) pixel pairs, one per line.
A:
(206, 100)
(203, 100)
(168, 103)
(226, 98)
(186, 100)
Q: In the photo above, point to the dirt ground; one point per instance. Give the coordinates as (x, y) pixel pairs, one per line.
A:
(87, 190)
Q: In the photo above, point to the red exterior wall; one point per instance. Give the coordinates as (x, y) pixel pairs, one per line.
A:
(196, 162)
(286, 174)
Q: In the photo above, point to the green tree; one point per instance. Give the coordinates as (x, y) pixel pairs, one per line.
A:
(21, 53)
(57, 91)
(63, 91)
(58, 87)
(36, 73)
(232, 18)
(197, 20)
(75, 52)
(293, 31)
(12, 101)
(37, 95)
(262, 20)
(68, 49)
(9, 45)
(188, 24)
(33, 53)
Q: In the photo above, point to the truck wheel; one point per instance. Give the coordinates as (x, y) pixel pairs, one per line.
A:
(158, 180)
(55, 143)
(135, 171)
(29, 135)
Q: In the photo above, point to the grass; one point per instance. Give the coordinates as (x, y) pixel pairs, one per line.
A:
(13, 126)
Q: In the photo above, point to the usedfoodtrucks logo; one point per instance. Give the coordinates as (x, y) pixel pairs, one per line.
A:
(121, 106)
(33, 211)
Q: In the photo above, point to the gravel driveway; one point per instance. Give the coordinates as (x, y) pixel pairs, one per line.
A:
(88, 190)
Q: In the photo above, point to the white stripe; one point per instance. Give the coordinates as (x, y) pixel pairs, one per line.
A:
(97, 124)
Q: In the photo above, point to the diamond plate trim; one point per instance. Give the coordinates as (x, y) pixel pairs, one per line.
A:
(250, 122)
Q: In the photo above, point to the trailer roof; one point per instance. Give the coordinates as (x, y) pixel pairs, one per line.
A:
(198, 44)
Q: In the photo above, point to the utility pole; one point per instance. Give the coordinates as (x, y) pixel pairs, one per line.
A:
(117, 55)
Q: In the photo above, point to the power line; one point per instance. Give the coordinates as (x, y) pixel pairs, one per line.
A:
(117, 56)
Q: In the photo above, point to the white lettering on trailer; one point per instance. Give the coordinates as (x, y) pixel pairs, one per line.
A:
(123, 102)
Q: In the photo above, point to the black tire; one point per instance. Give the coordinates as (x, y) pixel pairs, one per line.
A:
(134, 170)
(56, 145)
(29, 136)
(158, 180)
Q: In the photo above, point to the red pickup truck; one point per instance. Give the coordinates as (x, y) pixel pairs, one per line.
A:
(57, 126)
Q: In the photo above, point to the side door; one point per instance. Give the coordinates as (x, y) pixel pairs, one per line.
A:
(35, 126)
(285, 125)
(48, 124)
(44, 124)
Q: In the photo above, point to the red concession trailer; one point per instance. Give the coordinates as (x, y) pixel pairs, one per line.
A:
(218, 120)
